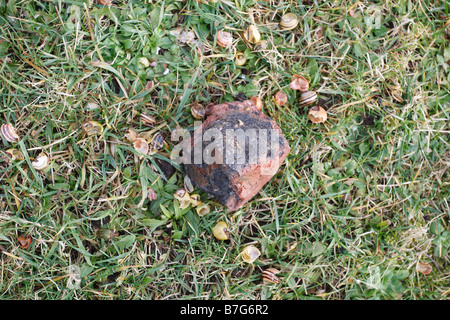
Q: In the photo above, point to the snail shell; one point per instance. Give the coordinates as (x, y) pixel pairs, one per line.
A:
(209, 110)
(41, 162)
(157, 141)
(147, 120)
(224, 39)
(197, 111)
(92, 106)
(257, 102)
(188, 184)
(269, 275)
(250, 254)
(239, 59)
(184, 203)
(299, 83)
(203, 210)
(141, 145)
(92, 127)
(261, 45)
(181, 194)
(252, 34)
(307, 98)
(9, 132)
(131, 135)
(183, 198)
(288, 21)
(317, 114)
(280, 98)
(195, 199)
(144, 61)
(13, 155)
(220, 231)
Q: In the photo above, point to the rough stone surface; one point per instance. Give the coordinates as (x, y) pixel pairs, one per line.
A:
(235, 182)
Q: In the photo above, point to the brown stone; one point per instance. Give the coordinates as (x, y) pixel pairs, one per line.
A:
(245, 163)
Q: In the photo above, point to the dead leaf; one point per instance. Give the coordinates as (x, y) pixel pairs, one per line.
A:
(423, 268)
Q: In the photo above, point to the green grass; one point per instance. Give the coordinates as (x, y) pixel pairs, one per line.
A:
(358, 203)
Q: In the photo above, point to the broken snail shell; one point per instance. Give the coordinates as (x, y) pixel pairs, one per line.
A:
(181, 194)
(299, 83)
(269, 275)
(141, 145)
(92, 127)
(220, 231)
(239, 59)
(257, 102)
(396, 92)
(41, 162)
(158, 141)
(280, 98)
(144, 62)
(188, 184)
(25, 241)
(252, 34)
(147, 120)
(224, 39)
(92, 105)
(261, 45)
(250, 254)
(288, 21)
(131, 135)
(203, 210)
(209, 110)
(197, 111)
(307, 98)
(13, 155)
(9, 132)
(317, 114)
(195, 199)
(184, 204)
(183, 198)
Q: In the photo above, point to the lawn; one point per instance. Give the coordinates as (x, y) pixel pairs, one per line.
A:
(358, 210)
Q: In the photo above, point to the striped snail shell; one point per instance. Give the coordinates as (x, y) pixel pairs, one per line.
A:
(269, 275)
(188, 186)
(288, 21)
(307, 98)
(197, 111)
(224, 39)
(92, 127)
(261, 45)
(147, 120)
(9, 132)
(252, 34)
(158, 141)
